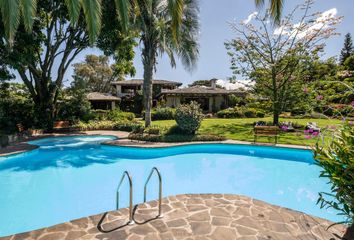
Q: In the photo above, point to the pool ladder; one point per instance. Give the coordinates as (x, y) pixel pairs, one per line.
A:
(131, 210)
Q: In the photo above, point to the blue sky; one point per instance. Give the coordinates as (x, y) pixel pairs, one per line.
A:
(214, 17)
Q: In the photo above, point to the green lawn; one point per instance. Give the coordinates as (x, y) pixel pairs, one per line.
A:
(242, 129)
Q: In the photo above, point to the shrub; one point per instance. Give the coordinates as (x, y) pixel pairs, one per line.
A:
(111, 115)
(250, 112)
(163, 114)
(117, 115)
(230, 113)
(174, 130)
(108, 125)
(153, 130)
(175, 138)
(260, 114)
(128, 126)
(74, 108)
(336, 161)
(95, 125)
(189, 117)
(238, 112)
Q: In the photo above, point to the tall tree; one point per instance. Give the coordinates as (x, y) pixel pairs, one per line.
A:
(347, 50)
(271, 54)
(42, 57)
(156, 33)
(95, 72)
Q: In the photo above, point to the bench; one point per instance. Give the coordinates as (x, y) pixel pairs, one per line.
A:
(266, 131)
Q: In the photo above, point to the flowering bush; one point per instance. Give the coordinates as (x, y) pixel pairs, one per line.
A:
(189, 117)
(337, 163)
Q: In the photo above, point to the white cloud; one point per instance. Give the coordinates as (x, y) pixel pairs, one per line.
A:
(250, 17)
(245, 84)
(318, 24)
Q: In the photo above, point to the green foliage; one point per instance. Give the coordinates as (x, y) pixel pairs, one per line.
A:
(95, 73)
(73, 105)
(337, 163)
(15, 107)
(240, 112)
(175, 138)
(163, 113)
(111, 115)
(347, 50)
(274, 61)
(189, 117)
(127, 126)
(117, 115)
(230, 113)
(349, 63)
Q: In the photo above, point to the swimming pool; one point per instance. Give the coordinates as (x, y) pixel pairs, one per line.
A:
(72, 177)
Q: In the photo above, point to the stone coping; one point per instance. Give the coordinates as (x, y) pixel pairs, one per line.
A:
(124, 141)
(197, 216)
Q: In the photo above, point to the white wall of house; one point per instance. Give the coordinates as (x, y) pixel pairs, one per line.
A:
(215, 102)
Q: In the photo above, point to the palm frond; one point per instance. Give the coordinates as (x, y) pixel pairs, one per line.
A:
(74, 7)
(276, 7)
(10, 12)
(28, 9)
(93, 14)
(176, 11)
(259, 3)
(123, 8)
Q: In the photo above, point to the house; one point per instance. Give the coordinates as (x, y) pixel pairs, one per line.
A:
(129, 88)
(211, 99)
(104, 101)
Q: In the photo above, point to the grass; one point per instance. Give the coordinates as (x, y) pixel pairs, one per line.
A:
(242, 129)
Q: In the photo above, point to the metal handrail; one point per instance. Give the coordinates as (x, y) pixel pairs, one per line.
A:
(154, 169)
(126, 174)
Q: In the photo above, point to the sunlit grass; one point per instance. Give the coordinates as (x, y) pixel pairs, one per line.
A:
(242, 129)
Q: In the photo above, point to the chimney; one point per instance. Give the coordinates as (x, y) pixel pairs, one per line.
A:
(213, 83)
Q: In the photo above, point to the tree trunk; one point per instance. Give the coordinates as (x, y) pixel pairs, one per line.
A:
(276, 106)
(147, 89)
(45, 111)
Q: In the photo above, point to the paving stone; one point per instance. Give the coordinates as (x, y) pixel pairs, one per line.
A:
(219, 212)
(221, 233)
(200, 228)
(244, 231)
(220, 221)
(198, 217)
(142, 229)
(51, 236)
(177, 223)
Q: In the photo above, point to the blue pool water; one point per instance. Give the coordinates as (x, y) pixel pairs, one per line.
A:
(72, 177)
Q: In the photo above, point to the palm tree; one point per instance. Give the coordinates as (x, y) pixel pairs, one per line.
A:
(13, 10)
(275, 8)
(158, 36)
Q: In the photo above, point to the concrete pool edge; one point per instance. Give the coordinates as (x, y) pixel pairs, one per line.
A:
(122, 140)
(189, 216)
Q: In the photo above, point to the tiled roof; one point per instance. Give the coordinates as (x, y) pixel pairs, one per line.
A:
(200, 90)
(101, 96)
(140, 82)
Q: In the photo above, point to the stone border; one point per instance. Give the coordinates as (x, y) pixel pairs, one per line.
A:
(197, 217)
(124, 141)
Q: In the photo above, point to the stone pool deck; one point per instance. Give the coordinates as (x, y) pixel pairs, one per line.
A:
(197, 217)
